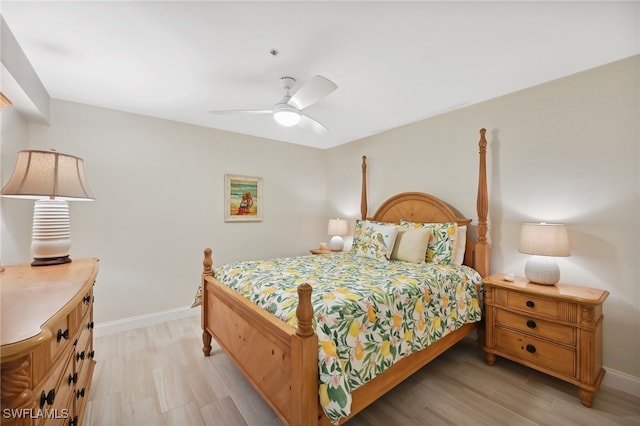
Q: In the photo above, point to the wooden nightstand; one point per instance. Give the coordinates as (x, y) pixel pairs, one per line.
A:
(321, 251)
(555, 329)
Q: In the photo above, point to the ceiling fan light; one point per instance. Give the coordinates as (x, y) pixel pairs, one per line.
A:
(287, 117)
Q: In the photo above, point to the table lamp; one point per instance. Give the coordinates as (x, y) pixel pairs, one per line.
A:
(545, 241)
(51, 178)
(337, 229)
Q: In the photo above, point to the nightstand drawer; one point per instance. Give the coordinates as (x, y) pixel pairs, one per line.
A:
(536, 351)
(530, 303)
(537, 327)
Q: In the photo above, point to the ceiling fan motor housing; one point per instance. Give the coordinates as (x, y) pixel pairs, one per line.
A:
(287, 83)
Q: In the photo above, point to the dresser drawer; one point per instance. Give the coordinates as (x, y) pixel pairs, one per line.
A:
(87, 302)
(62, 332)
(537, 327)
(533, 304)
(60, 410)
(47, 393)
(86, 332)
(536, 351)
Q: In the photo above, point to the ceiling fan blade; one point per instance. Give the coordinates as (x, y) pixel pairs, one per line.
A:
(317, 88)
(243, 111)
(307, 122)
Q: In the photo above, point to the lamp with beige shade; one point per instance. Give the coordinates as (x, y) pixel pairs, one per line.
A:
(544, 241)
(51, 178)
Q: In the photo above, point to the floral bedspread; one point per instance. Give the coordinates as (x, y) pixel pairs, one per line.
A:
(368, 313)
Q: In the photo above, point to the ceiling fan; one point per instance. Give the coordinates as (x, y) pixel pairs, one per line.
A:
(289, 111)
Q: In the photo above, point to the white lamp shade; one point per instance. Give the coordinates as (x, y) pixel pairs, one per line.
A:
(50, 174)
(338, 227)
(544, 239)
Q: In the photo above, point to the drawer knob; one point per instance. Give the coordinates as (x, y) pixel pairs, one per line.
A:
(530, 304)
(73, 421)
(91, 354)
(86, 299)
(48, 398)
(531, 349)
(80, 394)
(73, 378)
(531, 324)
(90, 325)
(80, 356)
(62, 334)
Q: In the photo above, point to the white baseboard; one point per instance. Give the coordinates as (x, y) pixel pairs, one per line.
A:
(621, 381)
(131, 323)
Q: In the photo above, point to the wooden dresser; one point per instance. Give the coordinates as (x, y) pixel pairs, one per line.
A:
(47, 342)
(555, 329)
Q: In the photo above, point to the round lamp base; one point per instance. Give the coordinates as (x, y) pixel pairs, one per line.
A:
(336, 243)
(542, 270)
(51, 261)
(51, 238)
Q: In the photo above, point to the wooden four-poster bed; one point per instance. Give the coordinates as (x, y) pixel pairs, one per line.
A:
(281, 360)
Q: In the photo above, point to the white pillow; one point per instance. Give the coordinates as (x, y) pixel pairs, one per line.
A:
(461, 245)
(376, 240)
(411, 245)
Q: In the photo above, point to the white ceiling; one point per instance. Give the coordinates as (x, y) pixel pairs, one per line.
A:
(394, 62)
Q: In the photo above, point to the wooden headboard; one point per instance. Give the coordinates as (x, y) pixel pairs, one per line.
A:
(421, 207)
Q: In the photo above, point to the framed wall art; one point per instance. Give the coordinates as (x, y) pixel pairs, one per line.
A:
(242, 198)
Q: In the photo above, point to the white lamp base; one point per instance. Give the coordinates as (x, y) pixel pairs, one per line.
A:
(542, 270)
(51, 238)
(336, 243)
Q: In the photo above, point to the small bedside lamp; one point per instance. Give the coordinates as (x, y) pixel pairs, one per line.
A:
(337, 228)
(51, 178)
(544, 241)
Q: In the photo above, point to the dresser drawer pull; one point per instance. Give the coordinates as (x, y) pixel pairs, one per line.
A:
(91, 354)
(86, 299)
(531, 349)
(80, 394)
(62, 334)
(90, 325)
(531, 324)
(530, 304)
(73, 421)
(73, 378)
(80, 356)
(47, 397)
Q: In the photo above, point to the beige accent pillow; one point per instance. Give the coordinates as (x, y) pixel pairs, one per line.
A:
(461, 245)
(411, 245)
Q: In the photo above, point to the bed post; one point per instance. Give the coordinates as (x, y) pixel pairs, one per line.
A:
(482, 247)
(304, 359)
(363, 195)
(304, 311)
(207, 271)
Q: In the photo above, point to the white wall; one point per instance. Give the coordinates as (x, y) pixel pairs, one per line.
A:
(566, 151)
(15, 214)
(159, 202)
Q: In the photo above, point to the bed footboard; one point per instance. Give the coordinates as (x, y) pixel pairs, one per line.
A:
(281, 362)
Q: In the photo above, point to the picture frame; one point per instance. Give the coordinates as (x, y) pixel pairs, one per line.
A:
(242, 198)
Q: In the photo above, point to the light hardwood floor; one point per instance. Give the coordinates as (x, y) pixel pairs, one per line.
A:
(158, 376)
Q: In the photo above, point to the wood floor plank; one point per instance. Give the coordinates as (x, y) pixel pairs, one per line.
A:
(157, 375)
(222, 412)
(187, 414)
